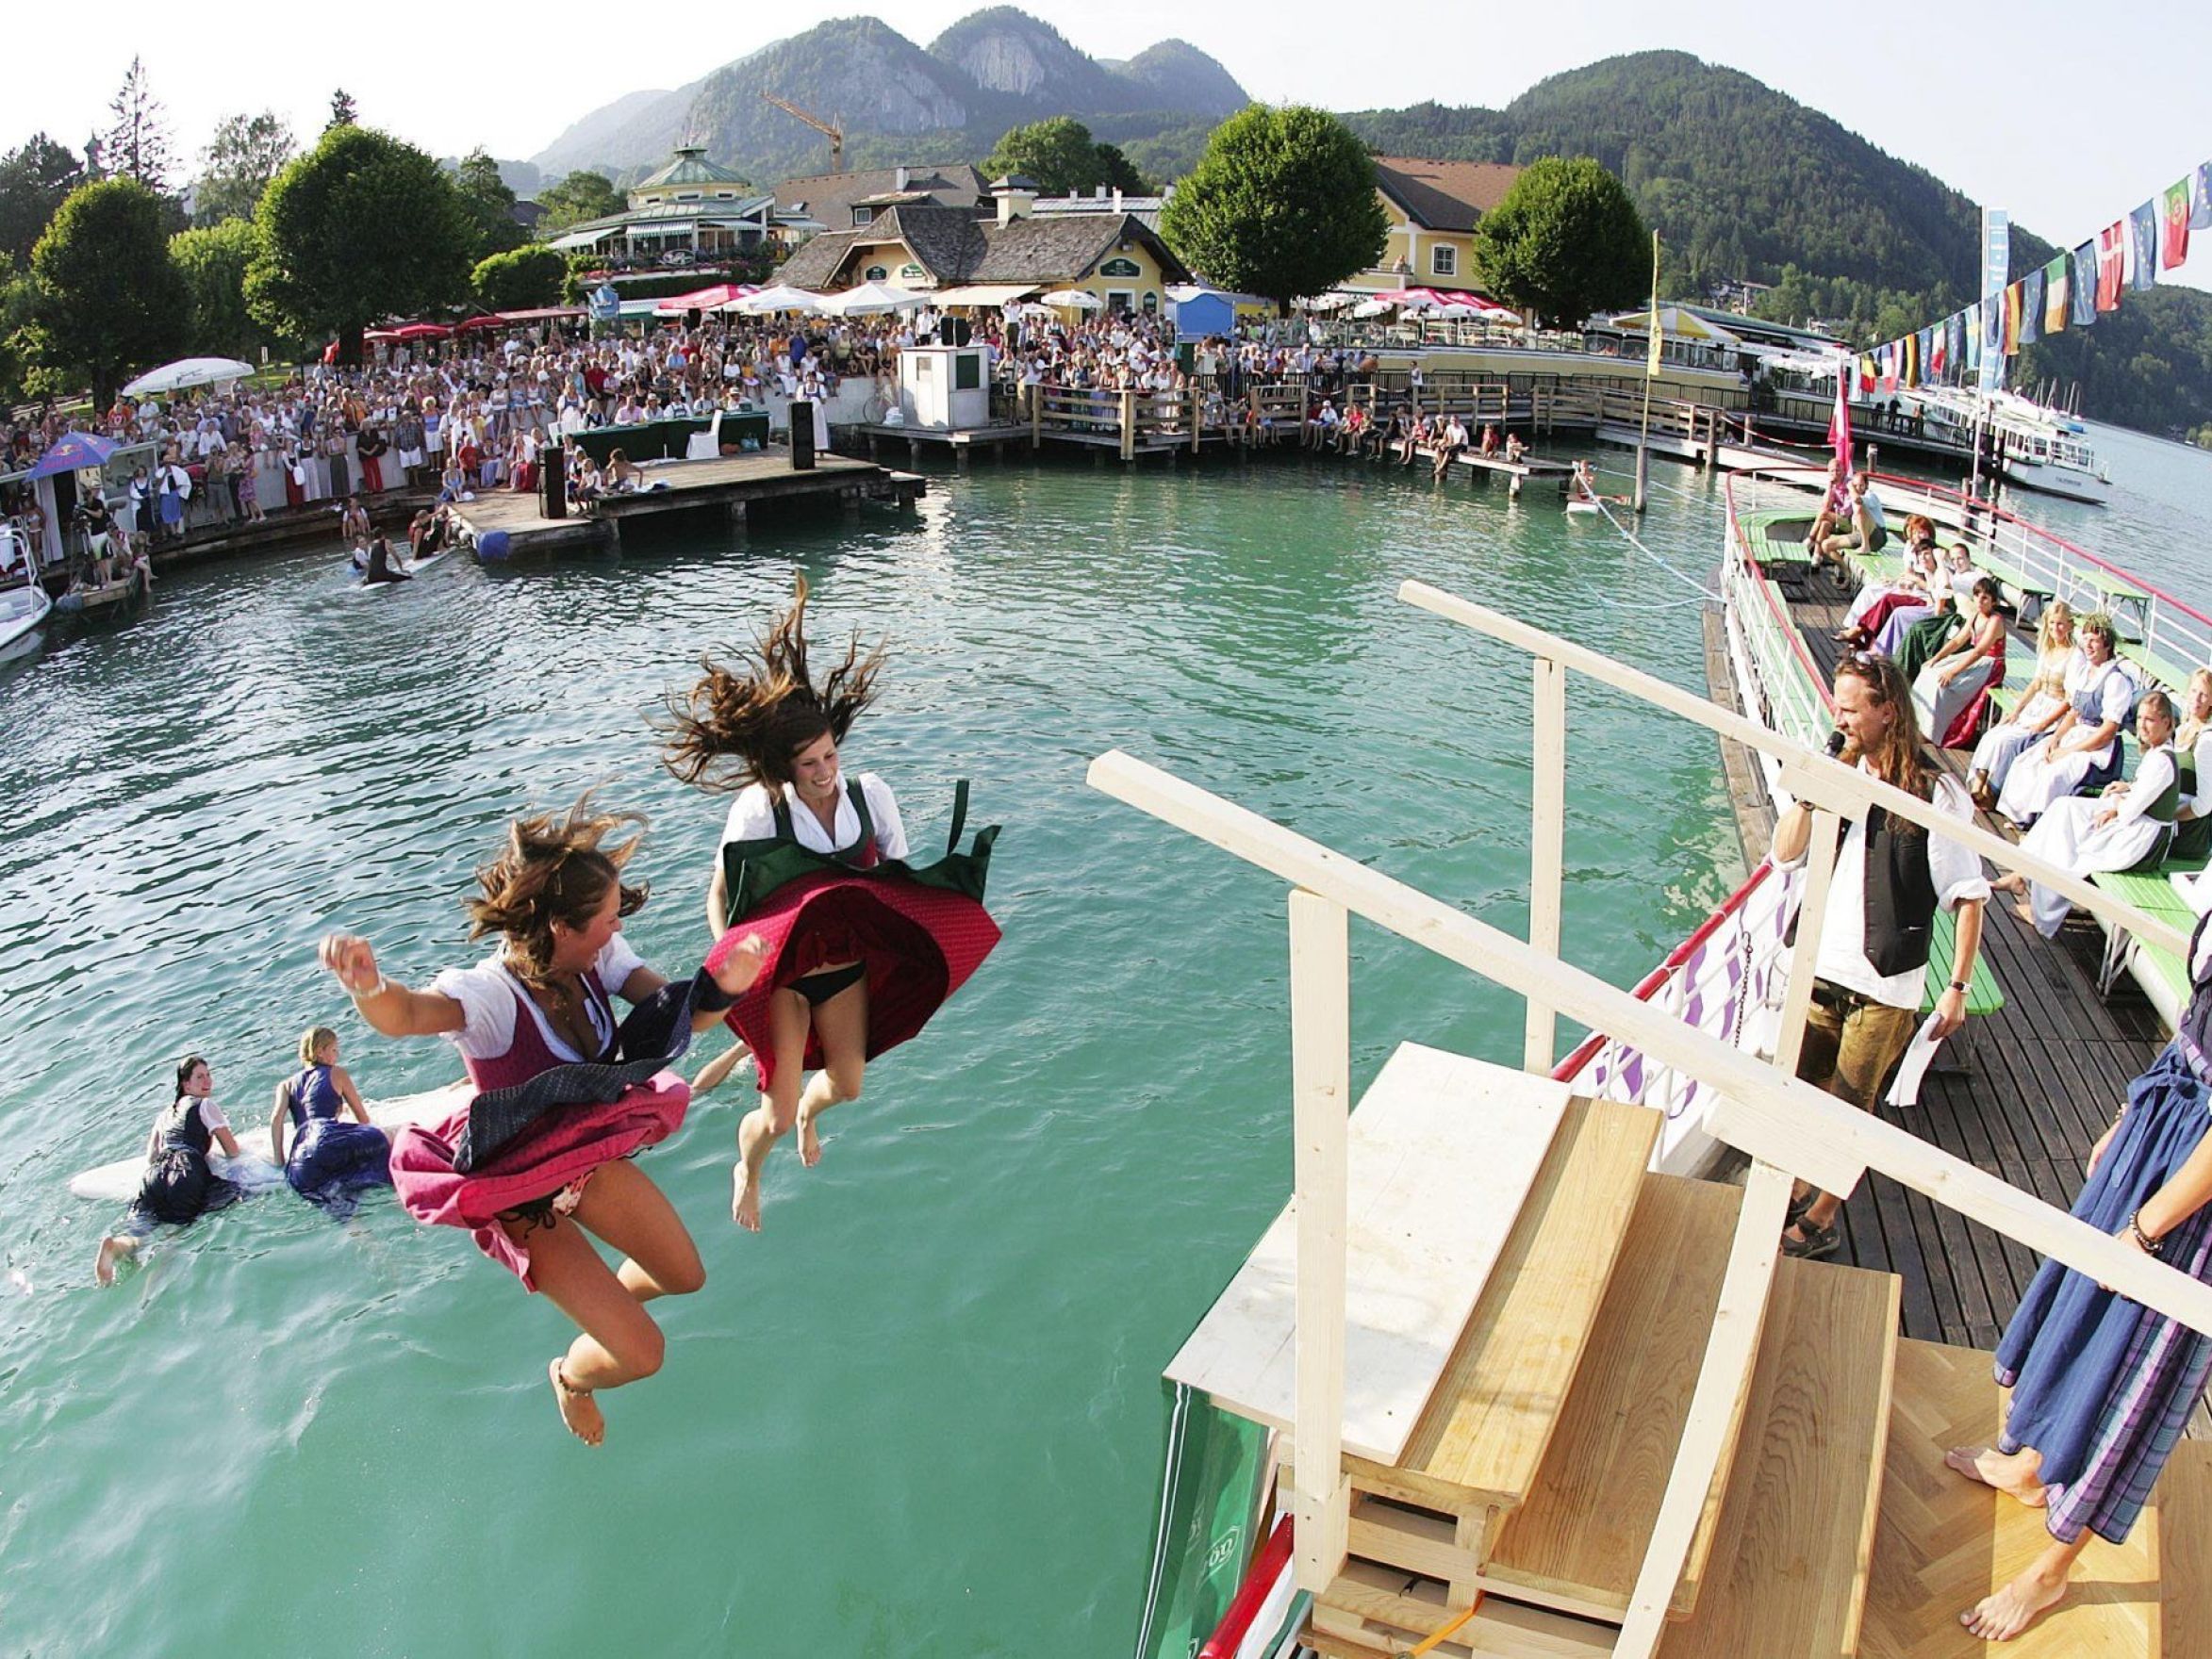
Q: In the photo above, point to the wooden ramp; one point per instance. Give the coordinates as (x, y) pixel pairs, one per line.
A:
(1534, 1469)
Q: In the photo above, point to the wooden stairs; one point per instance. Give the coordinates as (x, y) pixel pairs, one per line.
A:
(1537, 1461)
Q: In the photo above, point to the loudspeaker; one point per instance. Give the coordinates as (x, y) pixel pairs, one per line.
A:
(801, 435)
(954, 331)
(553, 482)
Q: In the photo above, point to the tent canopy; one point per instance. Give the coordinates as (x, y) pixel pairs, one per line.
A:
(995, 295)
(707, 299)
(187, 371)
(1075, 299)
(1681, 324)
(872, 297)
(783, 297)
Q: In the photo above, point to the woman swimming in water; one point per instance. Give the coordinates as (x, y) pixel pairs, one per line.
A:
(860, 948)
(179, 1187)
(331, 1161)
(566, 1094)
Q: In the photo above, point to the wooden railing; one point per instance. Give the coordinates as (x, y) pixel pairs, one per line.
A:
(1786, 1125)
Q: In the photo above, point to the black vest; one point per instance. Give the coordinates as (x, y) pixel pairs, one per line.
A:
(1900, 895)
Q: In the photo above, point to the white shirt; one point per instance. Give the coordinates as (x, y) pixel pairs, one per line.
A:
(752, 817)
(1954, 872)
(486, 994)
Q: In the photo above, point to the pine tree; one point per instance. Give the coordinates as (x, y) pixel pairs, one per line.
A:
(138, 136)
(342, 110)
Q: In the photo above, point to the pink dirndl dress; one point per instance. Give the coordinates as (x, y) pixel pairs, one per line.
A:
(555, 1156)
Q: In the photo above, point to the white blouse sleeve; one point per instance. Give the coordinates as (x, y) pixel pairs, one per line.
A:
(2152, 774)
(488, 1009)
(617, 962)
(1953, 869)
(753, 816)
(883, 808)
(2116, 696)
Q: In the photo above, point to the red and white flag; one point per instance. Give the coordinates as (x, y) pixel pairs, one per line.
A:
(1840, 423)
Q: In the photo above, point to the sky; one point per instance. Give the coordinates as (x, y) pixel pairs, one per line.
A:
(2072, 115)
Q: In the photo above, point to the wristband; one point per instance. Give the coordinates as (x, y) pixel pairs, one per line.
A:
(1961, 986)
(383, 984)
(2149, 1245)
(707, 997)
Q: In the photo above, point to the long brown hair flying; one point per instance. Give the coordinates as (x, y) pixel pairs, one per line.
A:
(1897, 759)
(742, 724)
(555, 868)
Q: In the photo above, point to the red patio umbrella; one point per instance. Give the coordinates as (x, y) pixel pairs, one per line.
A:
(483, 320)
(420, 331)
(704, 298)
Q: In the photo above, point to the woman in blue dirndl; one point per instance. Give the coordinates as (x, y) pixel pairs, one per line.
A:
(2102, 1386)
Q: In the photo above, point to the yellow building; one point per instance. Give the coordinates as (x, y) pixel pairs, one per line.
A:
(949, 250)
(1433, 208)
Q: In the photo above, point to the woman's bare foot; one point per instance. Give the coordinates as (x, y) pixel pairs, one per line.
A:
(578, 1409)
(2011, 881)
(2001, 1617)
(2024, 912)
(2017, 1476)
(745, 1201)
(810, 1144)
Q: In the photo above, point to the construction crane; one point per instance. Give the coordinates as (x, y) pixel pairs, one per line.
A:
(834, 133)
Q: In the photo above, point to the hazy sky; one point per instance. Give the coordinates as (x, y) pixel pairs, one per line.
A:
(2067, 114)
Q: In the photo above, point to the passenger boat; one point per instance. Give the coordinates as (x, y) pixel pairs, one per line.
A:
(1510, 1376)
(2053, 456)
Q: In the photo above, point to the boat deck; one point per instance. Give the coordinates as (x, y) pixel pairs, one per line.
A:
(2024, 1092)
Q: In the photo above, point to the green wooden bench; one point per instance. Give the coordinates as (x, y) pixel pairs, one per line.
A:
(2151, 892)
(2175, 680)
(1765, 533)
(1984, 996)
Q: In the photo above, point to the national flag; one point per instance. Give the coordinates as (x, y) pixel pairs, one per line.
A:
(1923, 346)
(1651, 365)
(2008, 320)
(1955, 328)
(2201, 197)
(2056, 288)
(2031, 306)
(1840, 423)
(1993, 326)
(1972, 362)
(1940, 348)
(2111, 265)
(2088, 279)
(1866, 374)
(2142, 238)
(2174, 245)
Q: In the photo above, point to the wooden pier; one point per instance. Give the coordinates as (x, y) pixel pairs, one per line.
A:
(728, 488)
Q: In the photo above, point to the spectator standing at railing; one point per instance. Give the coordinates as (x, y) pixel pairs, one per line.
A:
(1890, 876)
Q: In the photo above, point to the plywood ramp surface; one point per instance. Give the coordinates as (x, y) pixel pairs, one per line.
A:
(1371, 1609)
(1499, 1403)
(2184, 1500)
(1440, 1152)
(1796, 1527)
(1945, 1542)
(1587, 1522)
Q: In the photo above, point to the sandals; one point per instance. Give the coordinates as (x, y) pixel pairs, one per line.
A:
(1813, 1243)
(1798, 1206)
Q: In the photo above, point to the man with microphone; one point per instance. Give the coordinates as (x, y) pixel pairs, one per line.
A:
(1890, 875)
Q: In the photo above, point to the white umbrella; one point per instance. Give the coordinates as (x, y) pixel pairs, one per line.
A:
(189, 372)
(1332, 302)
(871, 299)
(780, 298)
(1371, 309)
(1075, 298)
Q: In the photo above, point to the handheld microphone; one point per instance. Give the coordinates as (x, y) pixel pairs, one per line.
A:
(1836, 743)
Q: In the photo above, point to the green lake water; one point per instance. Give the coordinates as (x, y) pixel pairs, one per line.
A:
(921, 1413)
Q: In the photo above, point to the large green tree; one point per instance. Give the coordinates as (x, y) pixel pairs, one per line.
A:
(1566, 241)
(489, 205)
(212, 261)
(246, 153)
(361, 227)
(34, 181)
(1060, 155)
(109, 300)
(1282, 204)
(519, 278)
(582, 195)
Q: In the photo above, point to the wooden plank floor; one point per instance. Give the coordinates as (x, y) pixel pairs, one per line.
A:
(2023, 1092)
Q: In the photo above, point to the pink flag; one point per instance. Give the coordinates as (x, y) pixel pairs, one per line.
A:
(1840, 423)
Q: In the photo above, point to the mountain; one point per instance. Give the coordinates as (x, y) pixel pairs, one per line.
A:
(992, 70)
(1742, 181)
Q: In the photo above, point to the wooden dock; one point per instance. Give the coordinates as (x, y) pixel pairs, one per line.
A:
(728, 489)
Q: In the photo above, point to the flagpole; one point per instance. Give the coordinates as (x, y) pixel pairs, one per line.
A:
(1650, 372)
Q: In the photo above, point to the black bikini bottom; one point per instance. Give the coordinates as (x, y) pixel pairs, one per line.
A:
(818, 988)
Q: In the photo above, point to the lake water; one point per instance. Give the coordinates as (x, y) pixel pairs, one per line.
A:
(920, 1414)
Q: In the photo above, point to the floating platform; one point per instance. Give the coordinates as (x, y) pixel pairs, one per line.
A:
(728, 488)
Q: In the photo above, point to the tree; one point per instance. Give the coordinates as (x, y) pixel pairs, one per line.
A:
(211, 261)
(519, 278)
(489, 205)
(245, 154)
(34, 181)
(1565, 241)
(362, 226)
(1058, 155)
(342, 110)
(107, 297)
(137, 144)
(580, 196)
(1282, 204)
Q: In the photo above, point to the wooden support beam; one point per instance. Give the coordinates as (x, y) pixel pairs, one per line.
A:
(1812, 915)
(1758, 1107)
(1547, 824)
(1321, 1100)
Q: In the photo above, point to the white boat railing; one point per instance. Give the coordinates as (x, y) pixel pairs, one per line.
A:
(1786, 1125)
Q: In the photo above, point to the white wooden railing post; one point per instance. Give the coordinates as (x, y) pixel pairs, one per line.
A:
(1547, 826)
(1321, 1090)
(1812, 914)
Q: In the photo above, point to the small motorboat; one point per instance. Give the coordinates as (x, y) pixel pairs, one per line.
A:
(87, 599)
(22, 611)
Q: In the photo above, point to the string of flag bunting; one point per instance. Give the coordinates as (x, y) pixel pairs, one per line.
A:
(2072, 291)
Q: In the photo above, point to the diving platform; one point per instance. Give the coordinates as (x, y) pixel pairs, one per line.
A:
(732, 490)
